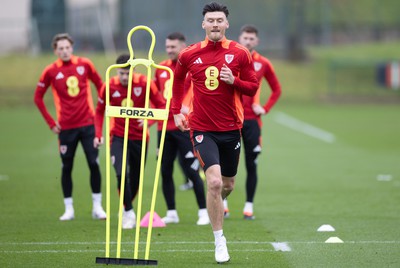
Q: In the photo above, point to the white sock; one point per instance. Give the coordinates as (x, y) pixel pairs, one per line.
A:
(172, 213)
(248, 207)
(225, 201)
(218, 235)
(131, 211)
(68, 202)
(202, 212)
(96, 199)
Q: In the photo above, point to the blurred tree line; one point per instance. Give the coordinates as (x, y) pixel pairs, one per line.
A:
(286, 26)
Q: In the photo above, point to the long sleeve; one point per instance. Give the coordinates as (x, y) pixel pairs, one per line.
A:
(40, 91)
(94, 76)
(246, 82)
(274, 85)
(99, 115)
(155, 97)
(178, 88)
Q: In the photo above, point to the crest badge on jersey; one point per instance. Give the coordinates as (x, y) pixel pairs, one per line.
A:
(229, 58)
(199, 138)
(257, 66)
(63, 149)
(137, 91)
(80, 70)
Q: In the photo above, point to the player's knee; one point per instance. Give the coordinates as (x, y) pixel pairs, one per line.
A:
(166, 171)
(214, 184)
(228, 186)
(93, 162)
(251, 158)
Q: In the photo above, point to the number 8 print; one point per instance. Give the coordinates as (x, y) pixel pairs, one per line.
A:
(72, 84)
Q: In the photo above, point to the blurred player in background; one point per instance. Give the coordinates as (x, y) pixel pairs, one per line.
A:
(177, 143)
(253, 111)
(118, 97)
(69, 79)
(221, 72)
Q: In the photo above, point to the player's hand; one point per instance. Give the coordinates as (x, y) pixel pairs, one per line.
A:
(258, 109)
(181, 122)
(185, 109)
(97, 142)
(140, 122)
(56, 129)
(226, 75)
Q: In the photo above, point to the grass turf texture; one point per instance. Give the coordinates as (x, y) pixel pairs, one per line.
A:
(304, 182)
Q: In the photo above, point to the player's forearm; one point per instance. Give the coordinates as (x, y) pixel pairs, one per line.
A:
(272, 100)
(276, 92)
(38, 99)
(177, 95)
(99, 119)
(248, 88)
(98, 124)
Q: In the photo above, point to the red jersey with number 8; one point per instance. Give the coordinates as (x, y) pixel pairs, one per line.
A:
(217, 106)
(71, 92)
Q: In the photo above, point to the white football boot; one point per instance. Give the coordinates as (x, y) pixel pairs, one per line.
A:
(221, 251)
(128, 219)
(98, 213)
(172, 217)
(68, 215)
(203, 217)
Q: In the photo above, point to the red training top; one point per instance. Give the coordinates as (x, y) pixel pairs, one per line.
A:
(118, 97)
(71, 92)
(263, 68)
(217, 106)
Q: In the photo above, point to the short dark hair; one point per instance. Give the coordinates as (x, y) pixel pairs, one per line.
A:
(213, 7)
(249, 28)
(123, 58)
(61, 36)
(176, 36)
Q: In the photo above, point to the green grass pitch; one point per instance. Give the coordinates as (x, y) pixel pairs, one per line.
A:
(350, 180)
(351, 183)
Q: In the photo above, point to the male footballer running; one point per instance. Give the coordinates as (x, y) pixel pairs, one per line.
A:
(221, 71)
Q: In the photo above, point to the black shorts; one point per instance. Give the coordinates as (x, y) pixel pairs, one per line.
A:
(133, 155)
(69, 139)
(251, 134)
(218, 148)
(178, 138)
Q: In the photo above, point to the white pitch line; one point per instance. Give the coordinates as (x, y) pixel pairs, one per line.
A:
(278, 246)
(126, 250)
(189, 242)
(128, 243)
(303, 127)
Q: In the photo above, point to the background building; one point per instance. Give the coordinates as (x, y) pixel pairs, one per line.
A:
(286, 26)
